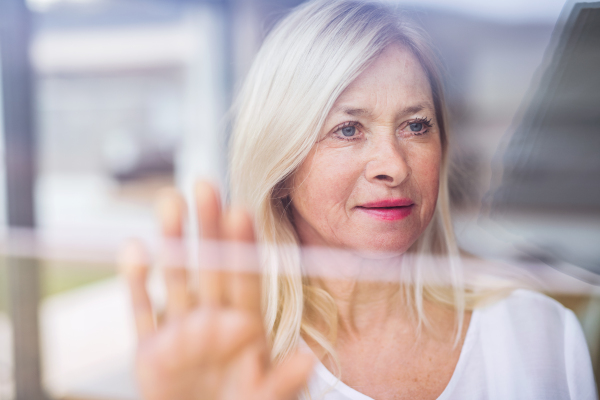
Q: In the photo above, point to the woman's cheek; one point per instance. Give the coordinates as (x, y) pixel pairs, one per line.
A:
(427, 173)
(324, 183)
(333, 177)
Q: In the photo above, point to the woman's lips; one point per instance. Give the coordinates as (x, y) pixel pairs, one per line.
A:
(388, 210)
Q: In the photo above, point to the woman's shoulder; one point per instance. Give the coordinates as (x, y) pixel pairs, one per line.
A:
(530, 327)
(530, 342)
(531, 323)
(526, 307)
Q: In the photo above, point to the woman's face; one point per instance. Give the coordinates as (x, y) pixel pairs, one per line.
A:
(371, 182)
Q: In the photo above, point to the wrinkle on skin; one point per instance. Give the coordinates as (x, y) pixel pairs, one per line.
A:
(341, 175)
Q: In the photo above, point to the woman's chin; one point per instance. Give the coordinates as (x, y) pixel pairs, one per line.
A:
(381, 248)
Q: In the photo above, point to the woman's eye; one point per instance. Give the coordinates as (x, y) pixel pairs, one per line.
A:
(348, 131)
(416, 126)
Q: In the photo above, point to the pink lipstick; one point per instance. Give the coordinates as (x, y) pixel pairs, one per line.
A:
(389, 209)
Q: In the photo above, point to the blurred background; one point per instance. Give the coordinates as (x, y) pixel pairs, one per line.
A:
(129, 96)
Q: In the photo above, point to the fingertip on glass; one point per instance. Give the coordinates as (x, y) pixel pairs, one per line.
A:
(238, 224)
(132, 257)
(171, 209)
(206, 192)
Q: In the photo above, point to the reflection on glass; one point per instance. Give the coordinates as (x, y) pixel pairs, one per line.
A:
(134, 96)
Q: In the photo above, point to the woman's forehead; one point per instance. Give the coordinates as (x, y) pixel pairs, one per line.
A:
(395, 79)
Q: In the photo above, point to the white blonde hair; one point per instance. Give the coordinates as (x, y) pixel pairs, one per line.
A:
(305, 63)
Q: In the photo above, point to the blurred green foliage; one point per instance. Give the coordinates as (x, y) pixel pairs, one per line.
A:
(58, 276)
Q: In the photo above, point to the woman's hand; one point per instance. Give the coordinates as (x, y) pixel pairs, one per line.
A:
(211, 344)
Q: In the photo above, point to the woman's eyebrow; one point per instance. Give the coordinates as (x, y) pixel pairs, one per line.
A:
(360, 112)
(356, 112)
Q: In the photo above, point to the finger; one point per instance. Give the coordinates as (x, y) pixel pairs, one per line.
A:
(171, 212)
(208, 207)
(243, 291)
(133, 264)
(287, 379)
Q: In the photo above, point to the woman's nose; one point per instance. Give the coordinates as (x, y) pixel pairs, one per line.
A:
(387, 163)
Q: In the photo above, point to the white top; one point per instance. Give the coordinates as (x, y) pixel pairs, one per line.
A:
(526, 346)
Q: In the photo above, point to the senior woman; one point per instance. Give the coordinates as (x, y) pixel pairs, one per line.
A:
(340, 141)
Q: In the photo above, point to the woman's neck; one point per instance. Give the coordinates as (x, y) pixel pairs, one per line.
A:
(367, 291)
(366, 307)
(369, 294)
